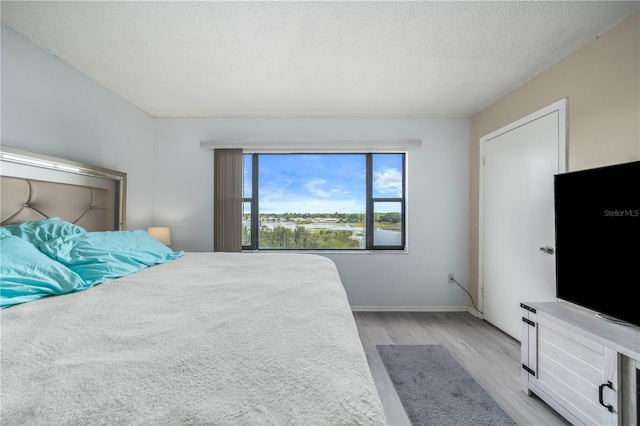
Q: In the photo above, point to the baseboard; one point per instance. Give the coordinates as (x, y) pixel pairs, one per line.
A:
(410, 309)
(475, 313)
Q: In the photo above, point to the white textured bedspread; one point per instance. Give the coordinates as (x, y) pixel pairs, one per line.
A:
(209, 338)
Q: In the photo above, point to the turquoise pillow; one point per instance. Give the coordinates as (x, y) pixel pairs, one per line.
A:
(102, 256)
(26, 274)
(39, 231)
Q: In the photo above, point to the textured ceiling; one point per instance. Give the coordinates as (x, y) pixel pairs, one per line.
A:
(222, 59)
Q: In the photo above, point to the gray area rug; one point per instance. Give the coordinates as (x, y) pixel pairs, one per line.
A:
(436, 390)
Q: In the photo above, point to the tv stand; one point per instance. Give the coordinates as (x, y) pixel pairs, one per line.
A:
(583, 367)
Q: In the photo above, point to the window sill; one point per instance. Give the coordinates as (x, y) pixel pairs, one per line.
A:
(321, 252)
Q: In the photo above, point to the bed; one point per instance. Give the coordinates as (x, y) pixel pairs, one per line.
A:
(196, 338)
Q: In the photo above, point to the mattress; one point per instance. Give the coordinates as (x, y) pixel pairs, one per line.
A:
(208, 338)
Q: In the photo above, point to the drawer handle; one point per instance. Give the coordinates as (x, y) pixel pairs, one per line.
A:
(600, 392)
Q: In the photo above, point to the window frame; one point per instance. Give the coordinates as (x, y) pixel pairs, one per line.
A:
(370, 202)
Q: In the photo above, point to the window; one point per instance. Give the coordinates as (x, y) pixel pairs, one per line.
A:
(324, 201)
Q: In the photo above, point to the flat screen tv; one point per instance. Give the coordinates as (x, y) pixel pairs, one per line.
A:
(597, 220)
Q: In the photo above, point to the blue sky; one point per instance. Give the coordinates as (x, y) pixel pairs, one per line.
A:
(322, 183)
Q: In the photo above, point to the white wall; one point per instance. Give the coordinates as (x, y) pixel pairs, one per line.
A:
(52, 109)
(437, 199)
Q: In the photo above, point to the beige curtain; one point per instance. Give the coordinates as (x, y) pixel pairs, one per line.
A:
(227, 200)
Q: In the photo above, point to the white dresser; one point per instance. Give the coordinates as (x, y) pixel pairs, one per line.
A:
(583, 366)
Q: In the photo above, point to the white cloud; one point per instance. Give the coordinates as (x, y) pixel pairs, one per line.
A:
(270, 195)
(388, 181)
(315, 187)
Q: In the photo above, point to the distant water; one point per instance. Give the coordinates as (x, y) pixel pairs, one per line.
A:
(387, 237)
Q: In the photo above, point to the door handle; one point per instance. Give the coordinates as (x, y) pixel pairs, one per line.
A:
(547, 250)
(600, 396)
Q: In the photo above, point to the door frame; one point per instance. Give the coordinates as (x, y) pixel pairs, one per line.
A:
(563, 136)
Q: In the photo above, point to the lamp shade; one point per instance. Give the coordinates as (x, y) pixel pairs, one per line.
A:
(160, 233)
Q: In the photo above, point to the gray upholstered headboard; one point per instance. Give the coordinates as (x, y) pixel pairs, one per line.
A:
(34, 186)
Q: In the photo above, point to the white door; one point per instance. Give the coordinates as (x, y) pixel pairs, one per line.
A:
(517, 230)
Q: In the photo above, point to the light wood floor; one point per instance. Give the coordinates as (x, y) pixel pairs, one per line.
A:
(489, 355)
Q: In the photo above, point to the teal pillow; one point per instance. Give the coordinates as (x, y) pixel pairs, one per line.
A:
(101, 256)
(39, 231)
(26, 274)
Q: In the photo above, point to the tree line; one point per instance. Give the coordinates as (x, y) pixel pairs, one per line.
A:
(280, 237)
(392, 217)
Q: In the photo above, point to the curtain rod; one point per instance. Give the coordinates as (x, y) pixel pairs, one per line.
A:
(311, 145)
